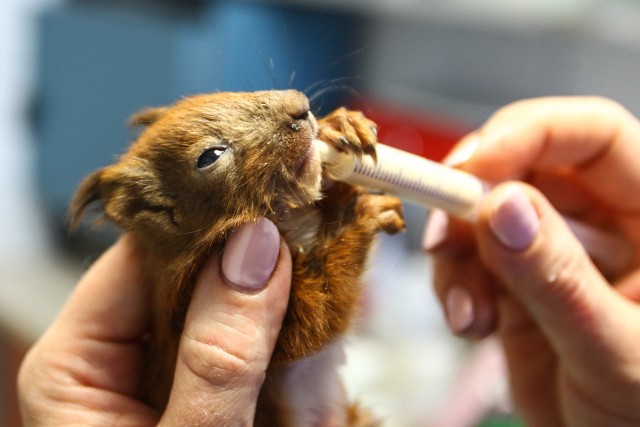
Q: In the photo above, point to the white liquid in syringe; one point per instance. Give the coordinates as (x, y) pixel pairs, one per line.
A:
(409, 176)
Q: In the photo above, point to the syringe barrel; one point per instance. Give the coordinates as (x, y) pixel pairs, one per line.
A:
(420, 180)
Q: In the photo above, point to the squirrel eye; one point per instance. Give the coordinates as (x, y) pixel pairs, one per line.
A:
(209, 157)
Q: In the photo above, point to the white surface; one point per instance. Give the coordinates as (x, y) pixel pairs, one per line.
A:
(19, 225)
(32, 292)
(33, 283)
(404, 362)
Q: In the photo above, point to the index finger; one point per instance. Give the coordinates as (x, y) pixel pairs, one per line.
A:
(594, 137)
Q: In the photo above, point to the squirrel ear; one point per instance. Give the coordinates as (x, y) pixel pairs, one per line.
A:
(88, 192)
(129, 195)
(147, 116)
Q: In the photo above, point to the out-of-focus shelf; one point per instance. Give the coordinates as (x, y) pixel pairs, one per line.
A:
(495, 14)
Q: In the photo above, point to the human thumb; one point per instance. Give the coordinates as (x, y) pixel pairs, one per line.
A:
(531, 250)
(230, 330)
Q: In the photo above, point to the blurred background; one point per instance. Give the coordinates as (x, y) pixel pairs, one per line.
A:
(426, 70)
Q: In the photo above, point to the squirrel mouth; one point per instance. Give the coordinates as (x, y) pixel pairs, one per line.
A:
(310, 164)
(308, 175)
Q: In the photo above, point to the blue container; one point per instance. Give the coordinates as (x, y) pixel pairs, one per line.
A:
(102, 61)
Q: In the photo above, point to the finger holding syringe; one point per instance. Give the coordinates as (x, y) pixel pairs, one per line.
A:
(435, 185)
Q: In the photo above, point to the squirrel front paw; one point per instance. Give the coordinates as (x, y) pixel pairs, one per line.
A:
(385, 212)
(349, 131)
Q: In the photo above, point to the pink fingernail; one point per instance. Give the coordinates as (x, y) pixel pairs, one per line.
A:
(461, 312)
(436, 231)
(515, 222)
(250, 255)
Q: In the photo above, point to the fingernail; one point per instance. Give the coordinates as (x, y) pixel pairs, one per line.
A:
(250, 255)
(462, 152)
(460, 310)
(436, 231)
(515, 221)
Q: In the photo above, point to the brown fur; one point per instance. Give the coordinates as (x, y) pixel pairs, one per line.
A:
(180, 214)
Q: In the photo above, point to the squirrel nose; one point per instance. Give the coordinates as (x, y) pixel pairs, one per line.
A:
(301, 115)
(295, 104)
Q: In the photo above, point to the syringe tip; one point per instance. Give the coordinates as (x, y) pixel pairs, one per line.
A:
(336, 165)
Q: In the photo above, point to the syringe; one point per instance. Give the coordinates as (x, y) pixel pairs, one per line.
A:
(459, 193)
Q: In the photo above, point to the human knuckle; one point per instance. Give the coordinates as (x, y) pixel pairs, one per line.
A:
(564, 276)
(216, 360)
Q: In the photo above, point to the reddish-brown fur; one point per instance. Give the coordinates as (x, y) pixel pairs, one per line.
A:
(180, 214)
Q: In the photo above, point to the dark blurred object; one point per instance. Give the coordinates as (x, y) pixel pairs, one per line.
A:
(13, 351)
(101, 61)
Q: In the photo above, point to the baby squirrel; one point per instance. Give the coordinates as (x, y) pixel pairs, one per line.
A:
(206, 165)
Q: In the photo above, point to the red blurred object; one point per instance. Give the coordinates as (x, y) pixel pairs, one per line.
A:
(430, 136)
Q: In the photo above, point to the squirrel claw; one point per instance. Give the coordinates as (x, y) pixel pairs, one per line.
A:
(349, 131)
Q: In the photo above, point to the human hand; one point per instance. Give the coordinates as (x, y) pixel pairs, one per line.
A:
(85, 368)
(570, 334)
